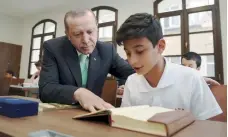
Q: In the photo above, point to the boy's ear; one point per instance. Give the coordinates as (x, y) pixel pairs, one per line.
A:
(161, 46)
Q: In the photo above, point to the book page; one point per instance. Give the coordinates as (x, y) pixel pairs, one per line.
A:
(142, 113)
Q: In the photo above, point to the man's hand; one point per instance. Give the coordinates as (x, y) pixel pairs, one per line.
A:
(37, 73)
(120, 90)
(211, 81)
(90, 101)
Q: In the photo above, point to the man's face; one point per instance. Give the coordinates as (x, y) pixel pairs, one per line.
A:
(82, 32)
(141, 54)
(189, 63)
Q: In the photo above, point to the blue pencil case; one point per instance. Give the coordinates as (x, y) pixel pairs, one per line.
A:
(15, 107)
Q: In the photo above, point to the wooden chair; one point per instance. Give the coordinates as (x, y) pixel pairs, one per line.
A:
(220, 93)
(5, 85)
(109, 91)
(16, 81)
(4, 88)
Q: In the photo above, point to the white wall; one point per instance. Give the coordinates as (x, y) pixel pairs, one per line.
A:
(125, 9)
(223, 17)
(10, 29)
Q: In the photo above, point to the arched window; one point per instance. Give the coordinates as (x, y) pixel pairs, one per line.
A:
(42, 31)
(192, 25)
(107, 18)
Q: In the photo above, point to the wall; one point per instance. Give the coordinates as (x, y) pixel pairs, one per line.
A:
(11, 30)
(125, 9)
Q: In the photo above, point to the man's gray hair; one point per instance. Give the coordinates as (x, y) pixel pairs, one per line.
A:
(76, 13)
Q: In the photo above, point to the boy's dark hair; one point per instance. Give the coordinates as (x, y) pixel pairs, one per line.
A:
(140, 25)
(10, 72)
(193, 56)
(38, 64)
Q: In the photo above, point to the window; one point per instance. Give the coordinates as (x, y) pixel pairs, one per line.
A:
(107, 23)
(192, 25)
(42, 31)
(173, 21)
(107, 18)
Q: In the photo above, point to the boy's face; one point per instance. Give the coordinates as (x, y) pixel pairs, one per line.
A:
(141, 54)
(8, 75)
(189, 63)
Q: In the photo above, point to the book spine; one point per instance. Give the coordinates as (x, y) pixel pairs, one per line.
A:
(110, 121)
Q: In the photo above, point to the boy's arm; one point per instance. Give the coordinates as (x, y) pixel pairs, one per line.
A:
(126, 100)
(203, 102)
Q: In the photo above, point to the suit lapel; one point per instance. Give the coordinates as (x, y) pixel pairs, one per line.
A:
(71, 57)
(93, 70)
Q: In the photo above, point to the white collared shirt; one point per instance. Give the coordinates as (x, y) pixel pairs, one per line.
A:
(179, 87)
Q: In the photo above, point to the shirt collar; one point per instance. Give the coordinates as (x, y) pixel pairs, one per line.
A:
(79, 53)
(167, 78)
(168, 75)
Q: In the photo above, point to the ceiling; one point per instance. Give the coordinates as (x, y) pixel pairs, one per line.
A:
(21, 8)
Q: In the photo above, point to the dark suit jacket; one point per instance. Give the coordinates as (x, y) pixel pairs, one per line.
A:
(61, 76)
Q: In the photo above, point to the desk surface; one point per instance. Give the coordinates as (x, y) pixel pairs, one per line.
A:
(61, 121)
(21, 87)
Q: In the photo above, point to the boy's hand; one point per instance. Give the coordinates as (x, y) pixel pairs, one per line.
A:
(211, 82)
(120, 90)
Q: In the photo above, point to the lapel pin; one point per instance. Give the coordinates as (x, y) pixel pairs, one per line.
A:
(94, 59)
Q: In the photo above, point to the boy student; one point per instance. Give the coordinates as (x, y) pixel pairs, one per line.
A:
(193, 60)
(156, 81)
(9, 74)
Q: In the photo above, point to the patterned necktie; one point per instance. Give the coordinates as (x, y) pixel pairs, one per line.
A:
(84, 61)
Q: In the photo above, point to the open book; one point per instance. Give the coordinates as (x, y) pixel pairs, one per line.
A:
(151, 120)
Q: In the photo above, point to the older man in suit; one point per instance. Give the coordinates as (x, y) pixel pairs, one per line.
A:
(75, 66)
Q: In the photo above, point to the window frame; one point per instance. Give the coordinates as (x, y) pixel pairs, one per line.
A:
(216, 30)
(42, 35)
(114, 24)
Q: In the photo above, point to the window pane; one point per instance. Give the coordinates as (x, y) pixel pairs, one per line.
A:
(171, 25)
(35, 55)
(207, 66)
(169, 5)
(48, 37)
(201, 43)
(176, 60)
(39, 29)
(200, 21)
(105, 33)
(36, 43)
(198, 3)
(173, 45)
(49, 27)
(32, 68)
(106, 16)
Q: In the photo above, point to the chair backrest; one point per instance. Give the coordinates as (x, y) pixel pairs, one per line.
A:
(16, 81)
(6, 82)
(109, 91)
(220, 93)
(4, 88)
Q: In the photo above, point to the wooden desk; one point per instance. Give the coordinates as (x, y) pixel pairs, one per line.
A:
(16, 89)
(61, 121)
